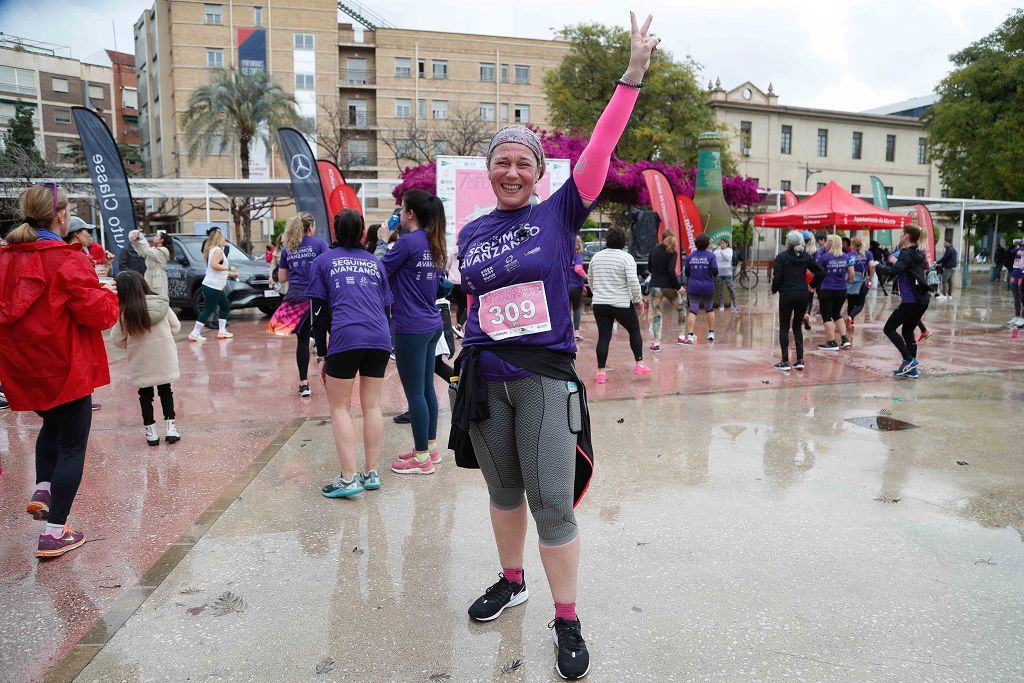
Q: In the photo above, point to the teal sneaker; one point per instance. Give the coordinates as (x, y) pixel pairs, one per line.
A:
(341, 488)
(913, 373)
(370, 480)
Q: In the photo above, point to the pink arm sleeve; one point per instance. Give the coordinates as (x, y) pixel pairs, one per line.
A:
(579, 270)
(592, 169)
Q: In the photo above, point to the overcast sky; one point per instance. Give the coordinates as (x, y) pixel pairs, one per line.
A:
(835, 54)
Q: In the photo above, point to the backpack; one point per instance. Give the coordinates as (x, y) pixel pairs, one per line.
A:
(932, 280)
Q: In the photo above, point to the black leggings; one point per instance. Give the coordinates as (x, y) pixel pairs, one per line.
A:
(1017, 289)
(302, 348)
(909, 317)
(146, 402)
(60, 453)
(605, 315)
(791, 308)
(458, 297)
(576, 304)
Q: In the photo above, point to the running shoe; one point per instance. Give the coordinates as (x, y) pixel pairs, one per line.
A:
(799, 365)
(807, 322)
(641, 369)
(342, 488)
(370, 480)
(196, 337)
(656, 347)
(924, 335)
(96, 406)
(403, 419)
(495, 599)
(721, 309)
(225, 335)
(304, 390)
(601, 377)
(685, 341)
(573, 659)
(783, 366)
(846, 344)
(576, 335)
(39, 505)
(412, 466)
(828, 346)
(913, 373)
(4, 405)
(906, 367)
(68, 540)
(459, 331)
(711, 336)
(435, 455)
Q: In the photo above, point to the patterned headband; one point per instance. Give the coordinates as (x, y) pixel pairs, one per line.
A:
(518, 134)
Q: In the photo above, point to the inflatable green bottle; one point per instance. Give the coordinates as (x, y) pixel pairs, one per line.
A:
(714, 212)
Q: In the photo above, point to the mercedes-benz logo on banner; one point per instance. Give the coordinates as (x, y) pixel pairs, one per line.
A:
(300, 166)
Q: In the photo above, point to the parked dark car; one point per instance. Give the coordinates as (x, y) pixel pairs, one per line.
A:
(186, 271)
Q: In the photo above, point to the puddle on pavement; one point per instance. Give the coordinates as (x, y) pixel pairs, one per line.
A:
(881, 423)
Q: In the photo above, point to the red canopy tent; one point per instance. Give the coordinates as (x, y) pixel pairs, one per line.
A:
(832, 206)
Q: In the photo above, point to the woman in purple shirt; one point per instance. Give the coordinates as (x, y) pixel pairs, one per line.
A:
(839, 274)
(520, 410)
(299, 248)
(414, 266)
(349, 294)
(701, 271)
(577, 279)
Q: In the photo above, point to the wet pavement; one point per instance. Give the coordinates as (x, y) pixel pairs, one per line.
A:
(750, 532)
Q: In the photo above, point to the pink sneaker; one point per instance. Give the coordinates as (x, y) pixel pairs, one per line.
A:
(641, 369)
(55, 547)
(412, 466)
(601, 377)
(435, 455)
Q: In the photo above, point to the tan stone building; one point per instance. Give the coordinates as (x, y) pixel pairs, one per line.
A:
(802, 149)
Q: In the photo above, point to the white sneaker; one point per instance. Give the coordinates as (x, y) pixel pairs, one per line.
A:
(152, 438)
(711, 336)
(171, 434)
(196, 337)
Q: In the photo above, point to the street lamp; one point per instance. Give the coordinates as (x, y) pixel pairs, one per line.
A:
(808, 173)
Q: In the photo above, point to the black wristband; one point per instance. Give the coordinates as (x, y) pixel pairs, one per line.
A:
(635, 86)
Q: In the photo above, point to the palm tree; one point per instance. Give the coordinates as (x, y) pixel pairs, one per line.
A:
(237, 108)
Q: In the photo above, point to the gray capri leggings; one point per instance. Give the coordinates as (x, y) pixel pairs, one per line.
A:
(528, 445)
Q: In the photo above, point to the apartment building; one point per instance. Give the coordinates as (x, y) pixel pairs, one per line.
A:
(35, 74)
(126, 97)
(797, 148)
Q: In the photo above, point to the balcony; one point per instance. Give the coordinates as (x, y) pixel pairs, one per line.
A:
(361, 118)
(356, 78)
(22, 89)
(359, 159)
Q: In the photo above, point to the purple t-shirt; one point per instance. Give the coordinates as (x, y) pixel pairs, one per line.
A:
(835, 270)
(575, 280)
(414, 279)
(298, 263)
(701, 271)
(530, 244)
(355, 286)
(907, 293)
(1016, 262)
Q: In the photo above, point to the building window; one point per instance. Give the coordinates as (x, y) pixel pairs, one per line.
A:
(213, 14)
(403, 109)
(822, 143)
(745, 136)
(888, 189)
(305, 82)
(504, 112)
(919, 192)
(129, 98)
(522, 73)
(96, 92)
(944, 193)
(854, 189)
(214, 58)
(890, 148)
(421, 109)
(522, 113)
(403, 148)
(403, 67)
(487, 71)
(922, 150)
(439, 68)
(787, 139)
(486, 111)
(421, 65)
(359, 152)
(357, 112)
(439, 109)
(308, 124)
(858, 144)
(504, 73)
(357, 73)
(821, 186)
(440, 148)
(786, 185)
(304, 41)
(59, 84)
(62, 116)
(66, 148)
(257, 16)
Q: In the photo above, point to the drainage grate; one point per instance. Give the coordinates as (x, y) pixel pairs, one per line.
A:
(881, 423)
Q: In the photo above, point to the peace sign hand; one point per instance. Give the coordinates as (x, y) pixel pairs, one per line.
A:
(642, 46)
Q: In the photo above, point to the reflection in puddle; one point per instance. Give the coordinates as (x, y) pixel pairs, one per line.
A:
(881, 423)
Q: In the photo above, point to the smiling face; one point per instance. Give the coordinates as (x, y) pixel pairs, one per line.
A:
(514, 173)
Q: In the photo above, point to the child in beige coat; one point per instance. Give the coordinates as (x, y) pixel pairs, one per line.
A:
(145, 329)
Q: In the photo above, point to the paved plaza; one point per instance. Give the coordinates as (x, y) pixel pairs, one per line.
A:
(739, 527)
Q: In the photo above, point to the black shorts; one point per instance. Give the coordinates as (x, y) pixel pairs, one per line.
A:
(367, 362)
(831, 302)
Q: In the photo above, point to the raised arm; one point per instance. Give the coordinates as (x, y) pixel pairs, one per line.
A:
(592, 168)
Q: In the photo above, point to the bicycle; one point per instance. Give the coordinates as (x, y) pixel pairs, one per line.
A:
(748, 279)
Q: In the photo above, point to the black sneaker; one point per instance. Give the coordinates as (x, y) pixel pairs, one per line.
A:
(846, 343)
(304, 390)
(783, 366)
(828, 346)
(4, 405)
(799, 365)
(573, 660)
(402, 419)
(495, 599)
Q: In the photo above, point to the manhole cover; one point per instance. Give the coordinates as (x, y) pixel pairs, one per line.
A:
(881, 423)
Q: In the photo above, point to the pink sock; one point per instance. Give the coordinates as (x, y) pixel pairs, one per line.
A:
(566, 611)
(513, 575)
